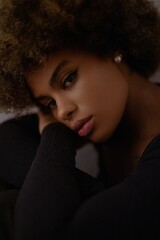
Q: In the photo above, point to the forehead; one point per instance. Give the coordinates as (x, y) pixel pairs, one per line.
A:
(62, 58)
(36, 79)
(54, 61)
(41, 80)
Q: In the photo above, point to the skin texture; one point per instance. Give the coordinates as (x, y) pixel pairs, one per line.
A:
(124, 105)
(94, 87)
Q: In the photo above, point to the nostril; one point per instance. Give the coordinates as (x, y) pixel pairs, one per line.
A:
(69, 114)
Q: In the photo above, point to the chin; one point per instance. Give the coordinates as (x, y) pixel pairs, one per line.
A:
(99, 138)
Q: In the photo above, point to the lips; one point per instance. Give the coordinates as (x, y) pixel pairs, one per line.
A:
(83, 127)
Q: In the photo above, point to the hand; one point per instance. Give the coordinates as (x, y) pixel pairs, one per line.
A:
(45, 119)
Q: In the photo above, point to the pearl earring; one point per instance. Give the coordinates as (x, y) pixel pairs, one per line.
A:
(118, 59)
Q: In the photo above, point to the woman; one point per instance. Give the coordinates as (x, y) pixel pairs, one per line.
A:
(88, 64)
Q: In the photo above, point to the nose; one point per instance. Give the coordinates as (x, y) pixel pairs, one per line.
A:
(65, 110)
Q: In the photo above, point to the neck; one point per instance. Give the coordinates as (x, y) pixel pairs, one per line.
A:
(140, 124)
(141, 120)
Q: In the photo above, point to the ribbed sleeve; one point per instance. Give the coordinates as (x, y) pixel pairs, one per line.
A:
(50, 194)
(19, 140)
(57, 146)
(51, 188)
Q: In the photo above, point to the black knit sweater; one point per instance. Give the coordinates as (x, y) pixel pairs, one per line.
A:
(48, 198)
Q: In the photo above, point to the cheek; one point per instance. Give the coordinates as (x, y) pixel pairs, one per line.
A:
(86, 95)
(107, 103)
(109, 115)
(100, 93)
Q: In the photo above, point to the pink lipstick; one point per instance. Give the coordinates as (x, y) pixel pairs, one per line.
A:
(83, 127)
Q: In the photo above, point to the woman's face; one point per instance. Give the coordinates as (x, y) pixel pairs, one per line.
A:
(86, 93)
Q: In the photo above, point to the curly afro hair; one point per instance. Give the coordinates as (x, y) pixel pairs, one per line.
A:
(33, 31)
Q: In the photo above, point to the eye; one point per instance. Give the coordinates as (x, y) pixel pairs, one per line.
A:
(51, 104)
(69, 79)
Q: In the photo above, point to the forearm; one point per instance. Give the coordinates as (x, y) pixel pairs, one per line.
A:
(19, 140)
(50, 194)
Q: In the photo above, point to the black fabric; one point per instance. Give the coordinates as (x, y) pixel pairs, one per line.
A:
(58, 201)
(19, 140)
(7, 203)
(130, 210)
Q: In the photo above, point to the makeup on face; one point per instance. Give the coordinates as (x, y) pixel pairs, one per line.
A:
(86, 93)
(84, 126)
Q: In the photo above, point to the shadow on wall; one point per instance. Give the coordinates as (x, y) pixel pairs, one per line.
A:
(156, 77)
(4, 116)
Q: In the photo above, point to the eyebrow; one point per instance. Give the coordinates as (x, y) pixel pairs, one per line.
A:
(52, 80)
(56, 72)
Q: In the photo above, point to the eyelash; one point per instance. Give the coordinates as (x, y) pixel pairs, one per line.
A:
(71, 78)
(50, 103)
